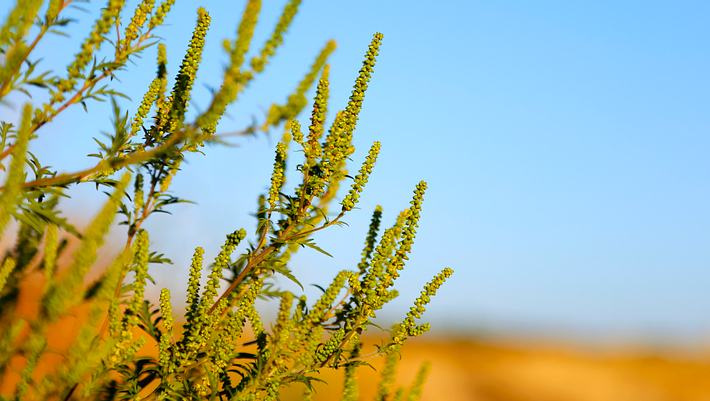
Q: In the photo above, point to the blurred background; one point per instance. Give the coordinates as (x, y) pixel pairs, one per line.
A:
(565, 144)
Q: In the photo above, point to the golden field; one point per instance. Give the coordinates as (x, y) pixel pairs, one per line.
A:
(482, 368)
(487, 370)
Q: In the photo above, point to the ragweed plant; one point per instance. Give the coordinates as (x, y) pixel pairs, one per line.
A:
(133, 347)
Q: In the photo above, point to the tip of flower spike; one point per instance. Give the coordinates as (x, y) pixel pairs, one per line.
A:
(237, 236)
(331, 45)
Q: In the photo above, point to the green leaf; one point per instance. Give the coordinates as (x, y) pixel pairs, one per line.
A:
(311, 244)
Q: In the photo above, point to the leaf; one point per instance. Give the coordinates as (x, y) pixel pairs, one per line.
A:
(158, 258)
(311, 244)
(287, 273)
(319, 287)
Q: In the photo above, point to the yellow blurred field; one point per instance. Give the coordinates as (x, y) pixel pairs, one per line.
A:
(489, 369)
(466, 369)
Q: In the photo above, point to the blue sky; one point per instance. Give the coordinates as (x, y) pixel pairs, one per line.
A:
(565, 144)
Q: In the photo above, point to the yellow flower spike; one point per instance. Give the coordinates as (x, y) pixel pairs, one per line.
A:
(223, 348)
(66, 292)
(166, 312)
(276, 39)
(19, 21)
(311, 345)
(339, 140)
(140, 269)
(297, 101)
(113, 275)
(234, 78)
(53, 10)
(51, 244)
(286, 135)
(296, 132)
(415, 391)
(330, 346)
(409, 328)
(384, 388)
(93, 42)
(162, 76)
(193, 285)
(220, 263)
(9, 337)
(162, 61)
(284, 314)
(318, 114)
(199, 317)
(376, 278)
(409, 232)
(140, 16)
(12, 190)
(360, 180)
(12, 33)
(318, 313)
(278, 177)
(138, 195)
(245, 33)
(254, 320)
(370, 239)
(7, 267)
(159, 15)
(188, 69)
(36, 345)
(350, 389)
(168, 178)
(150, 97)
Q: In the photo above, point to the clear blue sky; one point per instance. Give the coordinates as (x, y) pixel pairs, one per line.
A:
(565, 143)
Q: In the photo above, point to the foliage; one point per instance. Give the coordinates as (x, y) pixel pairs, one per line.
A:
(220, 349)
